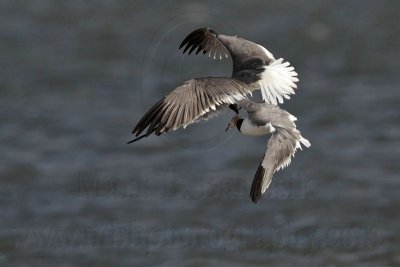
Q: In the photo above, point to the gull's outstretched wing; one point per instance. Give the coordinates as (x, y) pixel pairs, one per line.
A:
(206, 40)
(281, 148)
(194, 100)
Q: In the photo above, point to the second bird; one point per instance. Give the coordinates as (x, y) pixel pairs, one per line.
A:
(264, 119)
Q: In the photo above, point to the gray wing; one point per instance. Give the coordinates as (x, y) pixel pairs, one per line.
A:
(206, 40)
(248, 57)
(194, 100)
(281, 146)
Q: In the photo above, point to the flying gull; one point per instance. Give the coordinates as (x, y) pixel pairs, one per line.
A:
(263, 119)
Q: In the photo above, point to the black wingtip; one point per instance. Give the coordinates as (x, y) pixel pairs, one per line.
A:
(256, 186)
(255, 198)
(195, 34)
(136, 139)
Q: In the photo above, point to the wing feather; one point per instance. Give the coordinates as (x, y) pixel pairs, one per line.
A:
(194, 100)
(206, 40)
(282, 146)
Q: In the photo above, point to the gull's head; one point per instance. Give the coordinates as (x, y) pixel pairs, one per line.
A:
(233, 122)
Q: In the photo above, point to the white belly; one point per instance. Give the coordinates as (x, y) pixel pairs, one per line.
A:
(250, 129)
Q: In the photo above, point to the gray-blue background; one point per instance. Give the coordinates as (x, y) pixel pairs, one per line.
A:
(76, 76)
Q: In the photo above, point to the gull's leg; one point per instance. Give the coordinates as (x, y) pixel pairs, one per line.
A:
(235, 108)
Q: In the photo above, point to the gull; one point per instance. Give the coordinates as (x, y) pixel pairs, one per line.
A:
(285, 140)
(254, 68)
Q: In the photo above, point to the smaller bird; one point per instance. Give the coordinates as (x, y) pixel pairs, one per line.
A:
(263, 119)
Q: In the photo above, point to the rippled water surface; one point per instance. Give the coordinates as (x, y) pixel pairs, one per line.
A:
(77, 75)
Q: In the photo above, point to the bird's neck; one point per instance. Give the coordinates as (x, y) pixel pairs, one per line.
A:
(239, 124)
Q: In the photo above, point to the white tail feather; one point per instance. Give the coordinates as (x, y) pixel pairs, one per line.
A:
(278, 81)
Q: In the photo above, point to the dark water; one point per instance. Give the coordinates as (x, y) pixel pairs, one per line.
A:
(76, 75)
